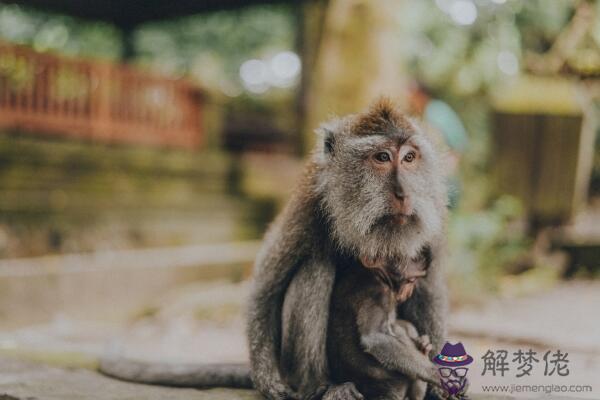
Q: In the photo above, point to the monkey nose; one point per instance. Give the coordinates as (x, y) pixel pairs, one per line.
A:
(401, 201)
(399, 193)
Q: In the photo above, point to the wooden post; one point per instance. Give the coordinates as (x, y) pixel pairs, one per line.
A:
(100, 118)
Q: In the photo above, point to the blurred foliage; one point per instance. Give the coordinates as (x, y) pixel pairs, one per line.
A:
(208, 47)
(494, 238)
(462, 60)
(463, 63)
(212, 47)
(48, 32)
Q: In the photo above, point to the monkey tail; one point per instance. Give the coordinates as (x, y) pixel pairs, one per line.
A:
(178, 375)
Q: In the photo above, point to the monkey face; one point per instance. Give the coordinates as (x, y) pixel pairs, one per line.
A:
(401, 274)
(382, 184)
(405, 291)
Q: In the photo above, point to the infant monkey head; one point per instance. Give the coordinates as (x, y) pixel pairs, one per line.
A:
(400, 275)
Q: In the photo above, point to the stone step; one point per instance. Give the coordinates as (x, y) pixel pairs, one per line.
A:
(61, 196)
(110, 285)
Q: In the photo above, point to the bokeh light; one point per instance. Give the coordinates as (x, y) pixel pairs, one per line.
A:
(507, 62)
(282, 71)
(463, 12)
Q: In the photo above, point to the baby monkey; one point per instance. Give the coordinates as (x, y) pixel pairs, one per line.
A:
(384, 357)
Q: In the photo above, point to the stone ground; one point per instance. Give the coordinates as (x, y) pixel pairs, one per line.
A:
(21, 380)
(202, 323)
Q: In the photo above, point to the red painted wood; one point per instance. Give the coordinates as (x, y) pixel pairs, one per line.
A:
(52, 95)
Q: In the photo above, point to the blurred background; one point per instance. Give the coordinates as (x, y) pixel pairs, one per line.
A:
(145, 147)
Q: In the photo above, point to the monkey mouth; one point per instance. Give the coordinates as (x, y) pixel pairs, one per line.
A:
(392, 221)
(403, 219)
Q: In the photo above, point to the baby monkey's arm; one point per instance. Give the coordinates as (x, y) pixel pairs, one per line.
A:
(404, 328)
(395, 352)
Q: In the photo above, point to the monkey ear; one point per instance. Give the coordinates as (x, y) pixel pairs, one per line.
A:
(328, 141)
(326, 137)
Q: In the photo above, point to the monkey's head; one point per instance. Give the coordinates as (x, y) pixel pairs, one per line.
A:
(381, 183)
(401, 274)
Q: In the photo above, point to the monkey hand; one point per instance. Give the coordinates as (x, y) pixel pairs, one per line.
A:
(345, 391)
(436, 393)
(423, 343)
(317, 394)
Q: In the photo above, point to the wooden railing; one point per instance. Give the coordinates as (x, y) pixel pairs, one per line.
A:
(52, 95)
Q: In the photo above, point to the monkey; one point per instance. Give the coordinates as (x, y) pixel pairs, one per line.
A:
(366, 343)
(373, 188)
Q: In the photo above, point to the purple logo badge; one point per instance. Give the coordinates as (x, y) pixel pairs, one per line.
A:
(453, 373)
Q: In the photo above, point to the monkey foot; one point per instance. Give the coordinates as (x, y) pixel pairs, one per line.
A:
(345, 391)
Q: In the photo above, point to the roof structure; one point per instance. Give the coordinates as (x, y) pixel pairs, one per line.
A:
(127, 14)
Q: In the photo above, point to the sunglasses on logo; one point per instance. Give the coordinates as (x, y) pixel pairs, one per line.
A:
(457, 372)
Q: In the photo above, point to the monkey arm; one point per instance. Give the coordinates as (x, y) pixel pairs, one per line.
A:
(392, 346)
(403, 357)
(283, 254)
(264, 323)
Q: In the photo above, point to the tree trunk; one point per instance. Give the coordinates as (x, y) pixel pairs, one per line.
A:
(357, 60)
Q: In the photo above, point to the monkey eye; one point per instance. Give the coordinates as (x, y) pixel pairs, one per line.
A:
(410, 157)
(383, 156)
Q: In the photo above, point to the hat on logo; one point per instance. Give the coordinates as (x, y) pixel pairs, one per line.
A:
(453, 355)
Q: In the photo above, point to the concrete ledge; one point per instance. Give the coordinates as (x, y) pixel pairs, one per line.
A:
(110, 285)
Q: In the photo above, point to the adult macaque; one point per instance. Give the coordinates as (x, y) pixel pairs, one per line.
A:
(372, 190)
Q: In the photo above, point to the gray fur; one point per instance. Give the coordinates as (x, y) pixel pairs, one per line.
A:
(339, 209)
(178, 375)
(382, 355)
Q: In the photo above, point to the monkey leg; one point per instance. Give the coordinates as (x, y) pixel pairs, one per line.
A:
(397, 389)
(417, 390)
(402, 357)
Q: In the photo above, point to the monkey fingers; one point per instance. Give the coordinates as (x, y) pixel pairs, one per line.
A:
(436, 393)
(317, 394)
(424, 344)
(345, 391)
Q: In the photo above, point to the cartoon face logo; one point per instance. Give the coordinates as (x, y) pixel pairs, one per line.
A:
(453, 373)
